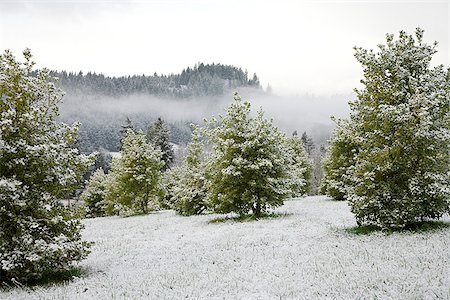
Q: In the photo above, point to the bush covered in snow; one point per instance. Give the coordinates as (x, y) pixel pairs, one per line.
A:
(401, 123)
(249, 168)
(38, 165)
(134, 183)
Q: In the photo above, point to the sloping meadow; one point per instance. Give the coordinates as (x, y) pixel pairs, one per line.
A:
(306, 251)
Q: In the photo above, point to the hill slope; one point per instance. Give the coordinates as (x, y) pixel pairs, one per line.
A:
(306, 254)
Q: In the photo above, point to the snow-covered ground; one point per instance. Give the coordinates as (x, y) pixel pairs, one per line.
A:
(306, 254)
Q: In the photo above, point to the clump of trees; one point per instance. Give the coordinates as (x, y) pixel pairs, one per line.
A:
(39, 164)
(399, 137)
(250, 166)
(135, 183)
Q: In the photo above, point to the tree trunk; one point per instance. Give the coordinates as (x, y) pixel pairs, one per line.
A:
(257, 210)
(145, 201)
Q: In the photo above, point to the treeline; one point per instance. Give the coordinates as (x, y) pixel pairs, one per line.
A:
(201, 80)
(103, 134)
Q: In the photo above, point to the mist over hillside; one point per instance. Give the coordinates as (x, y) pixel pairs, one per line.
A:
(102, 104)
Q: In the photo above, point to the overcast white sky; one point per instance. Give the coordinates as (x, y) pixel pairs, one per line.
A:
(296, 46)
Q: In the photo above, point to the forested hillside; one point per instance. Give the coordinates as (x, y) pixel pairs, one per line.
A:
(201, 80)
(102, 103)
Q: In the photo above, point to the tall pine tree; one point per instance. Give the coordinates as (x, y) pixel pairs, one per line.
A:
(158, 135)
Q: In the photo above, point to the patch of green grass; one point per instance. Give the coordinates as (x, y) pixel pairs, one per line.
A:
(56, 277)
(248, 217)
(428, 226)
(418, 227)
(363, 230)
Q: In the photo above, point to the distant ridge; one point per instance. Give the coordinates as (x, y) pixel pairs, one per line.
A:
(200, 80)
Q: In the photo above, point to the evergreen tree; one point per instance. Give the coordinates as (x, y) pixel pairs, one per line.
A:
(169, 181)
(38, 166)
(134, 180)
(190, 192)
(308, 143)
(401, 120)
(158, 135)
(248, 169)
(317, 157)
(103, 161)
(94, 195)
(301, 167)
(124, 131)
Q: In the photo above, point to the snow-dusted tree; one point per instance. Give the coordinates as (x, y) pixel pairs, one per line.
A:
(401, 118)
(38, 166)
(134, 180)
(94, 195)
(340, 156)
(190, 192)
(301, 167)
(308, 143)
(248, 170)
(169, 180)
(158, 135)
(128, 125)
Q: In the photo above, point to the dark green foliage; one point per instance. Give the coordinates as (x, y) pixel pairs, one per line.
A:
(249, 217)
(128, 125)
(158, 135)
(308, 143)
(419, 227)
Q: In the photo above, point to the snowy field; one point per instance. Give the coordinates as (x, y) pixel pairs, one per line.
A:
(306, 254)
